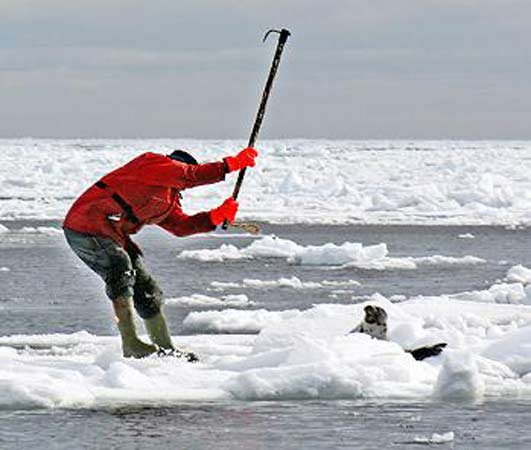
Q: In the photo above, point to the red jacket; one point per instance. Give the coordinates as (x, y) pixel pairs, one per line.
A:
(150, 184)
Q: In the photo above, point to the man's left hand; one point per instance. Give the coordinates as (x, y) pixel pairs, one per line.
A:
(243, 159)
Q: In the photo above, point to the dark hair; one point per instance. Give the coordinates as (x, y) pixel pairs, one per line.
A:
(182, 156)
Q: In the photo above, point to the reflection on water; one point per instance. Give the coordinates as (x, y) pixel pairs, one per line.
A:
(273, 425)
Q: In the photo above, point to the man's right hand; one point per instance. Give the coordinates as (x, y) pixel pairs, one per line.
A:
(226, 211)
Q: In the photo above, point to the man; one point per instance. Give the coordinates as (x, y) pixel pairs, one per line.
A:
(144, 191)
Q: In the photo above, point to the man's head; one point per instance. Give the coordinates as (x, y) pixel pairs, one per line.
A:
(182, 156)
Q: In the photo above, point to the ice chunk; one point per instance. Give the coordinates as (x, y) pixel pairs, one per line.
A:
(225, 252)
(435, 438)
(348, 254)
(519, 274)
(513, 350)
(498, 293)
(204, 300)
(337, 255)
(234, 321)
(459, 378)
(292, 282)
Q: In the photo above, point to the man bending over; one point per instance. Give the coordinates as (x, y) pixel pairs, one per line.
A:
(145, 191)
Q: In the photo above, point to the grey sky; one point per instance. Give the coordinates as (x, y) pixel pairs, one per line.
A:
(352, 69)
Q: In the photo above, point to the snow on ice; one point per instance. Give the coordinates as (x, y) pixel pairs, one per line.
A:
(519, 274)
(205, 301)
(466, 236)
(292, 282)
(48, 231)
(258, 354)
(295, 355)
(297, 181)
(435, 438)
(348, 254)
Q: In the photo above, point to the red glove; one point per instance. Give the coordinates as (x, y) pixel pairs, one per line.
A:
(243, 159)
(226, 211)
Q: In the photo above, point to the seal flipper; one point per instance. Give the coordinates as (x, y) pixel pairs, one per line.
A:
(429, 350)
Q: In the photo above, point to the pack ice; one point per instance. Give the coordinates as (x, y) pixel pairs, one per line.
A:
(296, 181)
(295, 355)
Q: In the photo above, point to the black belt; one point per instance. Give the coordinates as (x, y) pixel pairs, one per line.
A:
(126, 207)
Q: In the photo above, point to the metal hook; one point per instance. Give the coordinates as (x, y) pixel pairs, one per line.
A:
(283, 31)
(269, 32)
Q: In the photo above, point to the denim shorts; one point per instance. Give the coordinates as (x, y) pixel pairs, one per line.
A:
(123, 272)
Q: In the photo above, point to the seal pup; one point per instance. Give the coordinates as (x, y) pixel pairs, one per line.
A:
(375, 325)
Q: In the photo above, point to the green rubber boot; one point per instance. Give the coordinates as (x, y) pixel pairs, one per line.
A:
(131, 345)
(158, 331)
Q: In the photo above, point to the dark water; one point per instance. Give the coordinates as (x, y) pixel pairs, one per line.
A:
(272, 425)
(48, 290)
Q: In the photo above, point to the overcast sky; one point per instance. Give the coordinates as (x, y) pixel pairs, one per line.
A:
(196, 68)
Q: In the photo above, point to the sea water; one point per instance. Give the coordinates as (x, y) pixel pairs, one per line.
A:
(278, 368)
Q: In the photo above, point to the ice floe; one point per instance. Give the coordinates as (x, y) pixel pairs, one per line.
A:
(235, 321)
(296, 181)
(239, 300)
(348, 254)
(296, 355)
(498, 293)
(466, 236)
(519, 274)
(435, 438)
(48, 231)
(292, 282)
